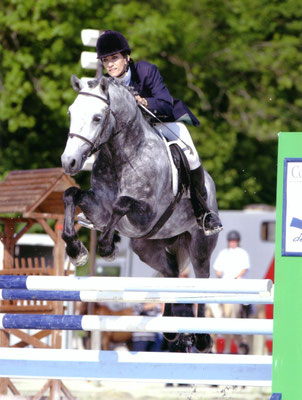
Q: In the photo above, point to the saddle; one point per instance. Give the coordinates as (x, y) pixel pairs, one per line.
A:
(179, 166)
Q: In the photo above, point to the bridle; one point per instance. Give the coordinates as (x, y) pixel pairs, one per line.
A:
(93, 146)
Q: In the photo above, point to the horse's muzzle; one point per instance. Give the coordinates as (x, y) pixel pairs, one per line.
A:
(71, 165)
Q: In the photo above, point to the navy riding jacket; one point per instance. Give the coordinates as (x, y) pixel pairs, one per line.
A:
(147, 81)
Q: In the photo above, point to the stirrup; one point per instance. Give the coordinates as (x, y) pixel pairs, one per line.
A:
(210, 232)
(82, 220)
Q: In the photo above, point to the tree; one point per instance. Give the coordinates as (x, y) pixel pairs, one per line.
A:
(236, 65)
(40, 49)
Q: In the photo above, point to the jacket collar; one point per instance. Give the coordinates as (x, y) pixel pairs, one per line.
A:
(135, 80)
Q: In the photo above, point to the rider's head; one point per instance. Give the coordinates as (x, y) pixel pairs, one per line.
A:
(114, 51)
(233, 239)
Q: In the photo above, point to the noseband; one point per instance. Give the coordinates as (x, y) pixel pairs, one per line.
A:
(93, 147)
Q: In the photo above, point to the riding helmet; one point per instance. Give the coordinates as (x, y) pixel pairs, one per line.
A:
(111, 42)
(233, 235)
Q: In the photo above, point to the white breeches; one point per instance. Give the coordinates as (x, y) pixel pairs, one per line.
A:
(182, 136)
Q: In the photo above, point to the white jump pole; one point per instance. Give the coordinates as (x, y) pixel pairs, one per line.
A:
(179, 324)
(136, 284)
(137, 297)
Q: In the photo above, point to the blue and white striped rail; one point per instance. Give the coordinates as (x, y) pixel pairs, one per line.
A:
(193, 285)
(136, 297)
(126, 366)
(113, 323)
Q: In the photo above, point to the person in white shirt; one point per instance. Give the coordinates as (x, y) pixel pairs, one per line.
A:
(232, 262)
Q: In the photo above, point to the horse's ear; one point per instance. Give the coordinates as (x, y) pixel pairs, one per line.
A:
(104, 83)
(76, 83)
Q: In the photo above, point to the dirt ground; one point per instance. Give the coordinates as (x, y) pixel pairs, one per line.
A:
(118, 390)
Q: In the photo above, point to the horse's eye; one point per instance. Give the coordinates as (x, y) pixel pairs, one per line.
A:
(96, 118)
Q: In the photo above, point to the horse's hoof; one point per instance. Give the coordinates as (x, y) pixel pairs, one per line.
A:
(112, 256)
(203, 342)
(186, 342)
(171, 337)
(107, 252)
(82, 259)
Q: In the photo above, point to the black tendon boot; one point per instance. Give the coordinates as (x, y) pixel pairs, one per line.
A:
(207, 219)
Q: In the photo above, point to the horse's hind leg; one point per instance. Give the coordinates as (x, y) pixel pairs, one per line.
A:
(74, 247)
(154, 253)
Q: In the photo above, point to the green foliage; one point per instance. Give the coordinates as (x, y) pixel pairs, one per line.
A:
(236, 64)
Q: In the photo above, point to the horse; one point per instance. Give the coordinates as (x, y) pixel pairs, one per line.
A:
(131, 188)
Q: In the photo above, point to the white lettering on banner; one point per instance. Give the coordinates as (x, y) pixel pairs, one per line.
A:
(295, 173)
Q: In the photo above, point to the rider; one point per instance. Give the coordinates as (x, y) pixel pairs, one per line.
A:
(114, 52)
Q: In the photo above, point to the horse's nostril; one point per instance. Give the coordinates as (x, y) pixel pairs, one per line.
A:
(73, 162)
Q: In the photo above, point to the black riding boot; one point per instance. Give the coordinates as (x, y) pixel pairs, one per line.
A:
(207, 219)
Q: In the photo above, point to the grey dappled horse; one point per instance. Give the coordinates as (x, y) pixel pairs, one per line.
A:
(130, 187)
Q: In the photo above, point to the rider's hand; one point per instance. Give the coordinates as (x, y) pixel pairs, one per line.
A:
(141, 100)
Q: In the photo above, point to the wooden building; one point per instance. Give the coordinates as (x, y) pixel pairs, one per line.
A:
(26, 198)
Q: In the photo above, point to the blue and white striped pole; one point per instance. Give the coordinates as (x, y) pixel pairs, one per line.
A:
(63, 283)
(136, 297)
(114, 323)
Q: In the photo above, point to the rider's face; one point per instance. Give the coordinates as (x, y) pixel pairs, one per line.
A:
(233, 244)
(115, 65)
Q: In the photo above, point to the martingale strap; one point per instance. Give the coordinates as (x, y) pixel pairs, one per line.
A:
(163, 219)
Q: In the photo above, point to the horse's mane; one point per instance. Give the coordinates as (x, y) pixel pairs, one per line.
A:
(119, 84)
(112, 81)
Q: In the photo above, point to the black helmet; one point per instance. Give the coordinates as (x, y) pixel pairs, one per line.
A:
(233, 235)
(111, 42)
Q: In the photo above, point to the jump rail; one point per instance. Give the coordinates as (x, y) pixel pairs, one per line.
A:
(68, 283)
(137, 297)
(152, 367)
(137, 324)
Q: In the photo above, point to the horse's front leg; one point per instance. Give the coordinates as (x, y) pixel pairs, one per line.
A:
(139, 213)
(75, 249)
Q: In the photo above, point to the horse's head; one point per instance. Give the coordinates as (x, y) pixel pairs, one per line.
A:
(91, 122)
